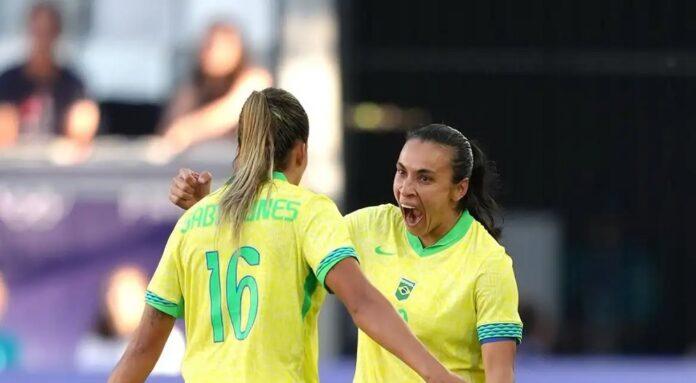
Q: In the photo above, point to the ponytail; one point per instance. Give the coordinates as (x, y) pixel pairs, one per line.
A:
(479, 200)
(270, 124)
(254, 162)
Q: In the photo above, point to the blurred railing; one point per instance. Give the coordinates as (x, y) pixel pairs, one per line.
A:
(114, 165)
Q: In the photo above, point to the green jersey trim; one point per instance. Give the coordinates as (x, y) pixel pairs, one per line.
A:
(163, 305)
(500, 330)
(280, 176)
(276, 176)
(310, 286)
(457, 232)
(331, 260)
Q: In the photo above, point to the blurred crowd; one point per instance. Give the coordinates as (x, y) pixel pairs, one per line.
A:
(120, 308)
(41, 99)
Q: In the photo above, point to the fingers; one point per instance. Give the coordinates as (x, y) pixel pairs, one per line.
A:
(204, 180)
(184, 186)
(181, 194)
(184, 173)
(184, 204)
(188, 176)
(188, 187)
(205, 177)
(184, 193)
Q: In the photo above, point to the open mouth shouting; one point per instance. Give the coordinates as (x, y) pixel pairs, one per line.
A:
(412, 215)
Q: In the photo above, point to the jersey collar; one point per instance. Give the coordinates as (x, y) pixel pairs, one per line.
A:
(276, 176)
(280, 176)
(457, 232)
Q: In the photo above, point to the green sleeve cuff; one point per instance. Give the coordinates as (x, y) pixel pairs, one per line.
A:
(165, 306)
(331, 260)
(499, 330)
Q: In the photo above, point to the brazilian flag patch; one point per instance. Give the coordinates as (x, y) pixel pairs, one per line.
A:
(404, 289)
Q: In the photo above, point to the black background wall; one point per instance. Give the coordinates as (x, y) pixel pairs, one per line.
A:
(588, 108)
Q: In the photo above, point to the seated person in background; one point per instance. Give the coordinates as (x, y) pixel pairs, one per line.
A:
(208, 106)
(39, 97)
(118, 317)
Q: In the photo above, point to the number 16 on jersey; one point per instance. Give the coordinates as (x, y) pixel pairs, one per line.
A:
(235, 291)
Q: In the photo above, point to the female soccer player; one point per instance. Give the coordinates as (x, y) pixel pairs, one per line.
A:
(435, 256)
(246, 268)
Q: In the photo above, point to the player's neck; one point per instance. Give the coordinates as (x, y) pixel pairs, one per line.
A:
(293, 177)
(436, 234)
(293, 173)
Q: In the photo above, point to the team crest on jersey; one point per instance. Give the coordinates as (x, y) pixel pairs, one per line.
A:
(404, 289)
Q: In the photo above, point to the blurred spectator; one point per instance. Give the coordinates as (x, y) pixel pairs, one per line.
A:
(208, 105)
(613, 290)
(9, 350)
(118, 317)
(39, 97)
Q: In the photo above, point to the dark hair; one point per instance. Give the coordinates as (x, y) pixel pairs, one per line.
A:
(468, 161)
(270, 123)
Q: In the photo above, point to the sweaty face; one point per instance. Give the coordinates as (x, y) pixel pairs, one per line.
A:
(424, 189)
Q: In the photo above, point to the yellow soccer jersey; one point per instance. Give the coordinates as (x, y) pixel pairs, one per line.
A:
(251, 308)
(455, 295)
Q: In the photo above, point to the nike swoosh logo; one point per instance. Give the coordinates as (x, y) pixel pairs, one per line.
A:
(379, 251)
